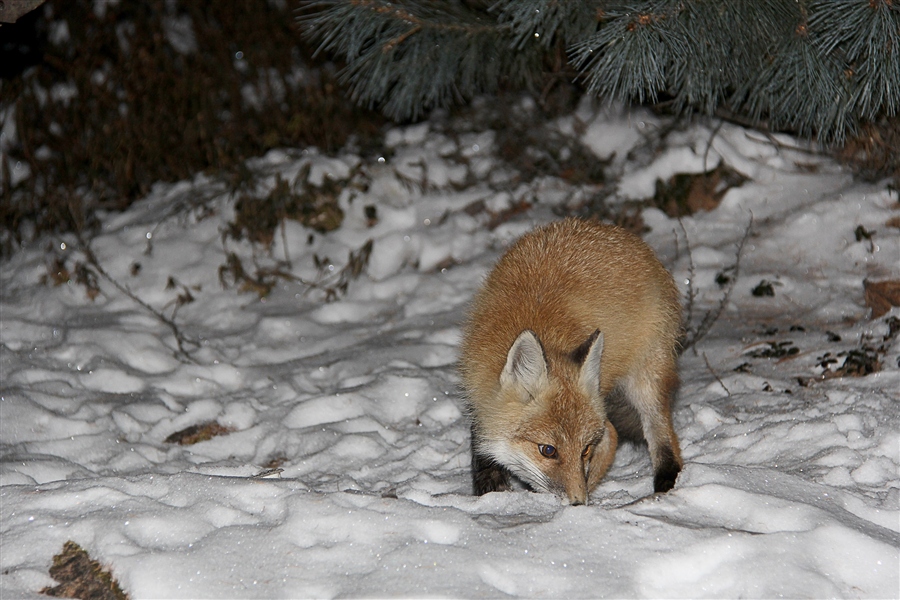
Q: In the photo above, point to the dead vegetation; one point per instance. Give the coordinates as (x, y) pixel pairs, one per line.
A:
(315, 206)
(200, 432)
(111, 97)
(779, 349)
(865, 359)
(331, 282)
(80, 576)
(880, 296)
(874, 152)
(687, 193)
(124, 95)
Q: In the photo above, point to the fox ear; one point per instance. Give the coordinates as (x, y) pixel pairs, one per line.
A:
(525, 363)
(590, 368)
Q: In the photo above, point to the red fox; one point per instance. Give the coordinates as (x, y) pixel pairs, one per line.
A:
(570, 343)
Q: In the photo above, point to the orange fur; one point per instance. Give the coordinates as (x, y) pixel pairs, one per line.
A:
(563, 282)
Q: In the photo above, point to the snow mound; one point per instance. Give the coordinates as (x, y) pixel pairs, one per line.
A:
(341, 467)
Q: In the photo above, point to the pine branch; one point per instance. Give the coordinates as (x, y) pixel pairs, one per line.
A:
(717, 61)
(629, 55)
(866, 36)
(814, 67)
(800, 88)
(413, 56)
(547, 21)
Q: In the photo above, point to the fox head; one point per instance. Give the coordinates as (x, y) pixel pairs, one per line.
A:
(550, 428)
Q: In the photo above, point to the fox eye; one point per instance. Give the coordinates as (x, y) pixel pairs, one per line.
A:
(547, 450)
(587, 451)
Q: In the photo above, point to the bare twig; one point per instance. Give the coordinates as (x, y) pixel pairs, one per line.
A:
(284, 240)
(691, 292)
(714, 374)
(695, 334)
(180, 338)
(709, 144)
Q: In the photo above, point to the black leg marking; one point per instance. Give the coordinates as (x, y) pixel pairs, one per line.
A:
(487, 475)
(666, 471)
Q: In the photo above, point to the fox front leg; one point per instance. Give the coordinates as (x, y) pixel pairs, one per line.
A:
(487, 475)
(651, 398)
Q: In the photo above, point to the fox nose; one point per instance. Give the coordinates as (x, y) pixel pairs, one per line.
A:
(577, 497)
(577, 488)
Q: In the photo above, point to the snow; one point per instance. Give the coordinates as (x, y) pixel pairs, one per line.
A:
(790, 487)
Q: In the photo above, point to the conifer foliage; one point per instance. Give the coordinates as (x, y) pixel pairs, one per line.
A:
(814, 67)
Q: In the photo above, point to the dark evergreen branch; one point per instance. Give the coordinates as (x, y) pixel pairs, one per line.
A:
(548, 21)
(800, 88)
(866, 36)
(410, 57)
(814, 67)
(628, 56)
(717, 60)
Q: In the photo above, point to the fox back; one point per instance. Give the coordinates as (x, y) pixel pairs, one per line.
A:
(571, 341)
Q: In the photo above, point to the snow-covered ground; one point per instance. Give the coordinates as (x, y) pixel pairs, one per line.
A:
(790, 487)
